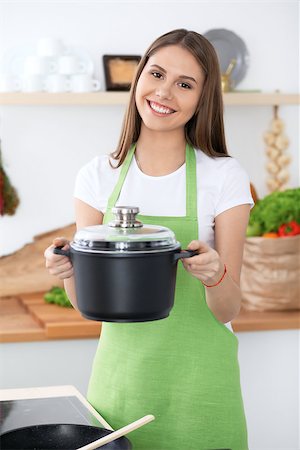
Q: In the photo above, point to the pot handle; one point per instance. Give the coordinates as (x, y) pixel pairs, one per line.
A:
(59, 251)
(185, 254)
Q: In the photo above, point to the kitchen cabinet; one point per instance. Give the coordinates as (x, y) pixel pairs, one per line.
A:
(121, 98)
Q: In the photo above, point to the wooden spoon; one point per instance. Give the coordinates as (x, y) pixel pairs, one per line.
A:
(119, 433)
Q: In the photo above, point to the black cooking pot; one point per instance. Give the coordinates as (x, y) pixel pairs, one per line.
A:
(58, 436)
(125, 271)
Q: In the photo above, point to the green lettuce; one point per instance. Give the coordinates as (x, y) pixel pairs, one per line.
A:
(274, 210)
(58, 296)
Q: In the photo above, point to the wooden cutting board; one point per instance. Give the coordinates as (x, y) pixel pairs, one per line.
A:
(27, 317)
(24, 271)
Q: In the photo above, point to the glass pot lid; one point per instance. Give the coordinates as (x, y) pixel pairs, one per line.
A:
(124, 233)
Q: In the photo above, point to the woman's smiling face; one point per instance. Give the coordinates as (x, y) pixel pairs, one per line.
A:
(169, 88)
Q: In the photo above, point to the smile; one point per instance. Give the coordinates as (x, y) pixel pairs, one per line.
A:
(160, 108)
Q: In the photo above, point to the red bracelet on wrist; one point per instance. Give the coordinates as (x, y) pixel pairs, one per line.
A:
(213, 285)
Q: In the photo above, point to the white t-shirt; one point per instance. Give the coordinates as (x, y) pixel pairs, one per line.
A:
(221, 184)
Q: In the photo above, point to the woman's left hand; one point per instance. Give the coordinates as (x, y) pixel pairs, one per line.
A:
(207, 266)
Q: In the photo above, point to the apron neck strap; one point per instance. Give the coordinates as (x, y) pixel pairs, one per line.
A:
(125, 167)
(191, 180)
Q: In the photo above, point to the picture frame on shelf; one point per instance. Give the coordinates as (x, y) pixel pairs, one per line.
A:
(119, 71)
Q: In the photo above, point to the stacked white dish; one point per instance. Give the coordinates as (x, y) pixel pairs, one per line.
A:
(47, 67)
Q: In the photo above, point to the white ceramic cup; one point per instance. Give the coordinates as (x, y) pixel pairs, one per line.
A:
(49, 46)
(84, 83)
(57, 83)
(70, 65)
(33, 83)
(39, 65)
(9, 83)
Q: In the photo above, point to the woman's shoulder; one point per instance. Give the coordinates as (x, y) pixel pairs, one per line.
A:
(220, 170)
(225, 178)
(219, 163)
(95, 181)
(99, 162)
(99, 166)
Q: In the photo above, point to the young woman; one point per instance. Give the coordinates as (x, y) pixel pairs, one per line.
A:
(173, 164)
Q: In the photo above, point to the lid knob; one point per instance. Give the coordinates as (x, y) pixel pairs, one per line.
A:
(125, 217)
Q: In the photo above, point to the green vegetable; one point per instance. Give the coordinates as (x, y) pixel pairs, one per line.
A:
(58, 296)
(272, 211)
(254, 230)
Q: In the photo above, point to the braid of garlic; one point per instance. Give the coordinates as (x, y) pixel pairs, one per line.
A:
(276, 143)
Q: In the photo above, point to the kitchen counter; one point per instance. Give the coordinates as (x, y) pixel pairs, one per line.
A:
(26, 317)
(266, 320)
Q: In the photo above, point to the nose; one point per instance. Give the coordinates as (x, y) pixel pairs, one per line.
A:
(164, 91)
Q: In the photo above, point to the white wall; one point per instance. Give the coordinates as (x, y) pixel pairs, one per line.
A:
(269, 378)
(43, 147)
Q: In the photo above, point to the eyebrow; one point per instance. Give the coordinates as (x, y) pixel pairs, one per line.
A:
(180, 76)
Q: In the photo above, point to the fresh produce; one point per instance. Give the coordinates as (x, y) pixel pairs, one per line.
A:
(278, 212)
(289, 229)
(276, 145)
(9, 199)
(254, 229)
(270, 235)
(58, 296)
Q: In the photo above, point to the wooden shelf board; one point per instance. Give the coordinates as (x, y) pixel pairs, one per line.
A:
(121, 98)
(260, 99)
(266, 320)
(88, 98)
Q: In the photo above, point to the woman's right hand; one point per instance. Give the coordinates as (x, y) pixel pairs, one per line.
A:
(58, 265)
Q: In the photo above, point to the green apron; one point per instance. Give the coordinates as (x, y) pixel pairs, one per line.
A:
(183, 369)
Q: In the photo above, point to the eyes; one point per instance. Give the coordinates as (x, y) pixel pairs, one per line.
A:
(159, 75)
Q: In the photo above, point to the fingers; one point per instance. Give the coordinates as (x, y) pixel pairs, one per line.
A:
(60, 242)
(205, 265)
(199, 272)
(58, 265)
(62, 271)
(52, 257)
(204, 257)
(201, 260)
(198, 245)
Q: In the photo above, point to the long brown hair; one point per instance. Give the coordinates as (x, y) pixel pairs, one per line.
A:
(205, 130)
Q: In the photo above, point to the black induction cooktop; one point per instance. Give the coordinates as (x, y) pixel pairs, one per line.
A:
(22, 413)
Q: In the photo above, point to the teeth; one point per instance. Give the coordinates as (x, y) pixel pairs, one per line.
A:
(160, 109)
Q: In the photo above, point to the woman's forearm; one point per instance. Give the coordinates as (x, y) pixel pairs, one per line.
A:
(224, 300)
(69, 284)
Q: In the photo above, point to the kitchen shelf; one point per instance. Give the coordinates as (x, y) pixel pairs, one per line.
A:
(260, 99)
(84, 99)
(121, 98)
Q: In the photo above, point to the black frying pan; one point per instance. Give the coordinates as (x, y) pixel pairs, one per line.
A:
(58, 436)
